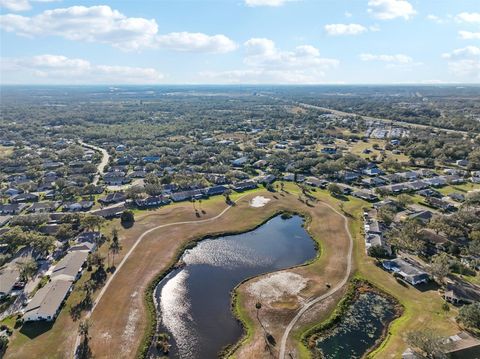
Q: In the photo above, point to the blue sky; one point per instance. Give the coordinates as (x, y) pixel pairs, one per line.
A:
(239, 41)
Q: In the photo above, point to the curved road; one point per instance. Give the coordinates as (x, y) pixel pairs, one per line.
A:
(137, 242)
(103, 163)
(316, 300)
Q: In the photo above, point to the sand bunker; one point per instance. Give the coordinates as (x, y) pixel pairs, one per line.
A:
(259, 201)
(276, 286)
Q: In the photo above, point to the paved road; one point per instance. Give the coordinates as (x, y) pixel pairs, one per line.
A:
(369, 118)
(311, 302)
(103, 163)
(137, 242)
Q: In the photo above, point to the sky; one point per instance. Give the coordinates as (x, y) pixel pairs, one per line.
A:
(239, 41)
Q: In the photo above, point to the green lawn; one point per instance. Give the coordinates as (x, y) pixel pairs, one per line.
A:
(421, 309)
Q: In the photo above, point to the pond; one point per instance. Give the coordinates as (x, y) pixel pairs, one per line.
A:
(359, 329)
(194, 301)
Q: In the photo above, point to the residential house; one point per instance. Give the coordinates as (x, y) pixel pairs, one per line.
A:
(439, 203)
(437, 181)
(110, 212)
(316, 182)
(8, 278)
(43, 207)
(454, 179)
(429, 193)
(243, 186)
(461, 293)
(187, 195)
(215, 190)
(458, 197)
(47, 301)
(367, 196)
(24, 197)
(266, 179)
(417, 185)
(152, 201)
(421, 216)
(373, 171)
(4, 220)
(239, 162)
(80, 206)
(407, 270)
(13, 191)
(111, 198)
(328, 150)
(371, 182)
(14, 208)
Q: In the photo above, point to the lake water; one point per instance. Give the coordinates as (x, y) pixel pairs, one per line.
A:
(359, 329)
(194, 302)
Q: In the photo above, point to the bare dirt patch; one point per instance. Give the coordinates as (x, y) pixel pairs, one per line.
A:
(259, 201)
(276, 287)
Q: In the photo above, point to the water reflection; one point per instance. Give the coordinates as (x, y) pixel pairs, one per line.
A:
(194, 302)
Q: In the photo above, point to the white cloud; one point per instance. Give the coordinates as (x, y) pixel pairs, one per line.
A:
(105, 25)
(16, 5)
(274, 3)
(20, 5)
(263, 53)
(187, 41)
(473, 17)
(435, 18)
(398, 58)
(268, 64)
(348, 14)
(56, 69)
(469, 51)
(344, 29)
(391, 9)
(464, 62)
(468, 35)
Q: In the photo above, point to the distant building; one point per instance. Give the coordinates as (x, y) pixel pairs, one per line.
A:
(328, 150)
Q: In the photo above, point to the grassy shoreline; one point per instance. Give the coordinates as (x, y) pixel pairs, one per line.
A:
(148, 294)
(356, 286)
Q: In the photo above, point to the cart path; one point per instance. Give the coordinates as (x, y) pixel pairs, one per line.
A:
(132, 249)
(310, 303)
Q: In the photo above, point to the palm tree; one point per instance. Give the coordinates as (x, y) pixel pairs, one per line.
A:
(115, 247)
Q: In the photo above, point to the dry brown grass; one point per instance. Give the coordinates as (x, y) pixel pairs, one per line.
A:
(117, 332)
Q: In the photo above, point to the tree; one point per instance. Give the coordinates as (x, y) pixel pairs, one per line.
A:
(95, 259)
(334, 189)
(41, 244)
(407, 237)
(134, 192)
(114, 248)
(447, 225)
(440, 266)
(428, 343)
(386, 214)
(27, 269)
(404, 200)
(377, 252)
(382, 192)
(91, 222)
(64, 232)
(469, 315)
(127, 217)
(227, 195)
(83, 350)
